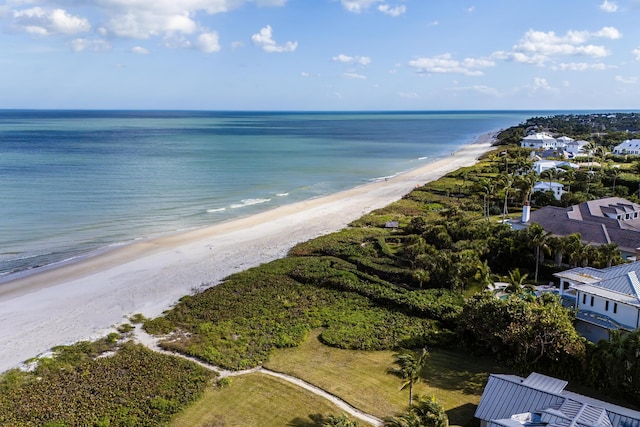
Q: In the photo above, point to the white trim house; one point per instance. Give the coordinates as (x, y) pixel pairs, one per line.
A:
(539, 141)
(539, 400)
(556, 187)
(630, 146)
(605, 299)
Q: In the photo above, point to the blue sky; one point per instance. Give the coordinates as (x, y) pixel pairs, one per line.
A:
(320, 54)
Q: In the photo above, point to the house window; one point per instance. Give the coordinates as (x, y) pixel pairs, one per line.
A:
(591, 301)
(615, 307)
(584, 299)
(606, 306)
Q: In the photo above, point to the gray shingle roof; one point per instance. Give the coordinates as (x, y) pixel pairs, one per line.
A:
(591, 221)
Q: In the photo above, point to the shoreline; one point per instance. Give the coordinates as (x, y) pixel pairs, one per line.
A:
(84, 299)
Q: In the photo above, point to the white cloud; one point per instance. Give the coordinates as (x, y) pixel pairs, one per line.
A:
(627, 80)
(581, 66)
(636, 53)
(608, 33)
(236, 45)
(357, 6)
(392, 11)
(359, 60)
(354, 76)
(537, 47)
(408, 95)
(609, 6)
(145, 25)
(540, 83)
(470, 9)
(140, 50)
(264, 39)
(208, 42)
(149, 18)
(446, 64)
(481, 89)
(304, 74)
(177, 41)
(37, 20)
(95, 45)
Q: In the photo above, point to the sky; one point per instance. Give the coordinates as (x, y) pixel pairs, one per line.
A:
(320, 54)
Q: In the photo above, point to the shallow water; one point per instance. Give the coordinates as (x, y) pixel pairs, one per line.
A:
(73, 182)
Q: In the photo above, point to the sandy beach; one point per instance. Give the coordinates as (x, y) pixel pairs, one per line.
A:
(85, 299)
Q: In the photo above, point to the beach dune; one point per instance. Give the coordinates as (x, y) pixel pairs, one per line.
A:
(85, 299)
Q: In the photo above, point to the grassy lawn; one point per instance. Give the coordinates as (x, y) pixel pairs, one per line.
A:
(360, 378)
(256, 400)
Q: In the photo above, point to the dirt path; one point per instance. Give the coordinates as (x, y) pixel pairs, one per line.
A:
(151, 343)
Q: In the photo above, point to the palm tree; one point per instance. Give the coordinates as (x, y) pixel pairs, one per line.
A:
(525, 184)
(409, 368)
(507, 182)
(517, 282)
(614, 173)
(426, 413)
(540, 239)
(408, 419)
(488, 188)
(483, 276)
(609, 251)
(339, 421)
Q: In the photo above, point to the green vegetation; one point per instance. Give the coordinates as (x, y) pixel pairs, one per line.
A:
(257, 400)
(78, 388)
(362, 378)
(336, 310)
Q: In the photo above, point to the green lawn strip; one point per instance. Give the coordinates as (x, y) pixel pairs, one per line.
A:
(361, 378)
(257, 400)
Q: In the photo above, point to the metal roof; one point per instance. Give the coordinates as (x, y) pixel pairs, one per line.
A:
(508, 395)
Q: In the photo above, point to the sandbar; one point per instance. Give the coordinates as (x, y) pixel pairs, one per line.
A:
(87, 299)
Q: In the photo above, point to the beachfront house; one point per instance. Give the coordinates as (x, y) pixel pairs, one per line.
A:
(604, 299)
(542, 141)
(555, 187)
(539, 400)
(606, 220)
(630, 146)
(543, 165)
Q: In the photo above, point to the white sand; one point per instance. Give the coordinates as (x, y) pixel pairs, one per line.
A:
(86, 299)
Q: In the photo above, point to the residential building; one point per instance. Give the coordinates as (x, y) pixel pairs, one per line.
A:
(543, 165)
(556, 187)
(539, 141)
(607, 220)
(576, 148)
(630, 146)
(539, 400)
(604, 299)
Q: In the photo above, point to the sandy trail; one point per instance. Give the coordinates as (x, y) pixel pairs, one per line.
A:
(85, 299)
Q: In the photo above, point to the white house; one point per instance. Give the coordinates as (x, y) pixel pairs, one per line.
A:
(576, 148)
(605, 299)
(539, 141)
(630, 146)
(556, 187)
(539, 400)
(543, 165)
(546, 141)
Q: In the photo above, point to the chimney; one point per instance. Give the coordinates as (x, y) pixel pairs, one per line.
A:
(526, 213)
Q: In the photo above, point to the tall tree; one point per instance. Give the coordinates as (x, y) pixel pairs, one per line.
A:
(506, 181)
(540, 240)
(410, 365)
(426, 413)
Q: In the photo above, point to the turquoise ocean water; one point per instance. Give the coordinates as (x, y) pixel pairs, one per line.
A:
(73, 183)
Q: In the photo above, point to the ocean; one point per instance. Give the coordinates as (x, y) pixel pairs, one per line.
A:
(76, 183)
